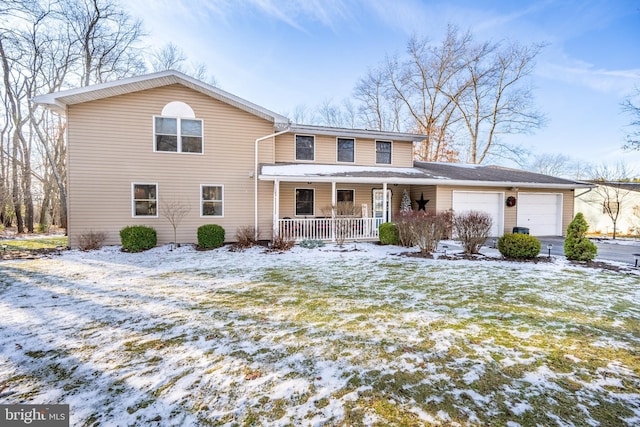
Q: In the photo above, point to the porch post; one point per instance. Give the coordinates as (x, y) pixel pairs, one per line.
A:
(276, 207)
(384, 202)
(333, 211)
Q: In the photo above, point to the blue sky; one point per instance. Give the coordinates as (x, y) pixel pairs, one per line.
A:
(285, 53)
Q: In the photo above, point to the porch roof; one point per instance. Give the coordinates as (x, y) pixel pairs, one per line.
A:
(421, 174)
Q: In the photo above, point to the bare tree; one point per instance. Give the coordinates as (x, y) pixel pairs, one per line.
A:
(345, 217)
(632, 106)
(473, 91)
(43, 46)
(329, 113)
(610, 192)
(495, 100)
(174, 211)
(172, 57)
(106, 38)
(553, 164)
(168, 57)
(379, 109)
(300, 114)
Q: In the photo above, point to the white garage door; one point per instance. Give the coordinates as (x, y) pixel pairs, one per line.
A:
(541, 213)
(488, 202)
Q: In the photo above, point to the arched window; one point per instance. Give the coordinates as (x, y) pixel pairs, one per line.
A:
(177, 130)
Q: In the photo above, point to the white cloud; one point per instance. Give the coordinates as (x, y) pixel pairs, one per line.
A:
(615, 82)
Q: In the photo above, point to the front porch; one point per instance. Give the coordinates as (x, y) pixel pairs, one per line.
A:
(335, 203)
(332, 211)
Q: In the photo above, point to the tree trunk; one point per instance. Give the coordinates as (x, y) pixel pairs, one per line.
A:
(44, 208)
(27, 198)
(17, 202)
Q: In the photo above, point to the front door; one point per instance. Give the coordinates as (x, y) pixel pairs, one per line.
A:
(378, 205)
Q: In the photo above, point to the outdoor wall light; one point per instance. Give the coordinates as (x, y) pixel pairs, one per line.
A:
(549, 247)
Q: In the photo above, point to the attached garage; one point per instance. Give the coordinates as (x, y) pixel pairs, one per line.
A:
(541, 213)
(484, 201)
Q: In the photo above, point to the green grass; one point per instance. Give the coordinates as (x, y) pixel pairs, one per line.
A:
(38, 243)
(373, 341)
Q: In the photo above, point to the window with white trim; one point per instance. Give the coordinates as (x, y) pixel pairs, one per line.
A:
(305, 147)
(145, 200)
(212, 200)
(383, 152)
(178, 135)
(305, 201)
(346, 150)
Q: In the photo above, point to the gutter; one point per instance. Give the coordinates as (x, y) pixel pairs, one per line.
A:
(255, 177)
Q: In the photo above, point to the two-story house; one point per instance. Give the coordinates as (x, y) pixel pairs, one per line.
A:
(140, 145)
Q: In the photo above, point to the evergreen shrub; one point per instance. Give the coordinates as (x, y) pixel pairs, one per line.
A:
(210, 236)
(519, 246)
(388, 234)
(577, 246)
(138, 238)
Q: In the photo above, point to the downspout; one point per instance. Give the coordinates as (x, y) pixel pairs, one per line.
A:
(255, 178)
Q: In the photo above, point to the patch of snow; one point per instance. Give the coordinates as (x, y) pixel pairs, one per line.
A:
(189, 336)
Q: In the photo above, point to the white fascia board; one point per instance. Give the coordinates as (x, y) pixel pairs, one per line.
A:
(357, 133)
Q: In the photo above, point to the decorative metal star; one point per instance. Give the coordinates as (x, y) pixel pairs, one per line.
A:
(422, 203)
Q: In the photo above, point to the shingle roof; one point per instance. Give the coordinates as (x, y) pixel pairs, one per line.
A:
(629, 186)
(490, 173)
(422, 174)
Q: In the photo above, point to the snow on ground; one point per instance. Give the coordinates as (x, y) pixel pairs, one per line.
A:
(329, 336)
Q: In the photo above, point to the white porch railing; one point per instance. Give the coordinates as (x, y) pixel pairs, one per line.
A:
(348, 229)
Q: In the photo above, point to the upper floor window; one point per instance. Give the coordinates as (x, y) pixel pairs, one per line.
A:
(145, 200)
(305, 147)
(383, 152)
(178, 135)
(177, 130)
(346, 150)
(211, 200)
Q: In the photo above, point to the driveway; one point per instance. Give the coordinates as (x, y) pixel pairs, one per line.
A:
(608, 250)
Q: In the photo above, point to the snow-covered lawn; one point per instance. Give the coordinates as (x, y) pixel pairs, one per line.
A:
(319, 337)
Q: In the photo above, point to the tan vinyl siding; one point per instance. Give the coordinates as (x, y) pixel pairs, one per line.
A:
(402, 154)
(111, 146)
(326, 151)
(429, 193)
